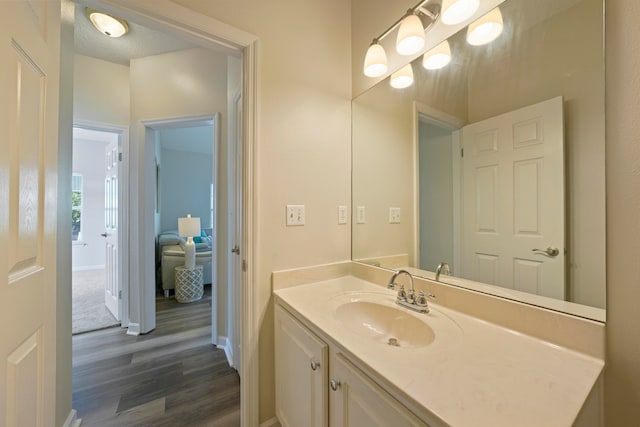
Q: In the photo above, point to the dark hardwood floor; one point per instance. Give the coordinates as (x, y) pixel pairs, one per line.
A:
(172, 376)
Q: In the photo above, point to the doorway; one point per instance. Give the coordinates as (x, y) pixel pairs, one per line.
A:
(210, 33)
(96, 264)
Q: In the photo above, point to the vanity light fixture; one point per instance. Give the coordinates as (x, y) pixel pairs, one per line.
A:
(375, 61)
(456, 11)
(438, 57)
(402, 78)
(410, 36)
(486, 29)
(107, 24)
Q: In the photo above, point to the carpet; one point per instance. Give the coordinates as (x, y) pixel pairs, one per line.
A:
(87, 302)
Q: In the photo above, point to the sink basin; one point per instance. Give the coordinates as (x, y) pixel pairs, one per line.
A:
(385, 324)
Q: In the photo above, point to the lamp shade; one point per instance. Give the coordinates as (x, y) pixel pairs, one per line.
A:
(107, 24)
(402, 78)
(486, 29)
(456, 11)
(189, 226)
(375, 61)
(438, 57)
(410, 35)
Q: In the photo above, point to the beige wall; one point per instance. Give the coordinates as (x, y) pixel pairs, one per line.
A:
(383, 172)
(101, 91)
(622, 377)
(304, 149)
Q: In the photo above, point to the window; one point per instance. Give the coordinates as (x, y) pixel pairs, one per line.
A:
(76, 207)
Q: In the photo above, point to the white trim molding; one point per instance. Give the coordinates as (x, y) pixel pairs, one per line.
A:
(72, 420)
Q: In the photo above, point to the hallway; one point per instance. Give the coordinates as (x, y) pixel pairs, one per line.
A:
(172, 376)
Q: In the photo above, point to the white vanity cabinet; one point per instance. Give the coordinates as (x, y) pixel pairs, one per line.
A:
(318, 386)
(356, 401)
(301, 374)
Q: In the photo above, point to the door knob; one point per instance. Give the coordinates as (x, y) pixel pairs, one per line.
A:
(236, 250)
(315, 365)
(334, 384)
(104, 234)
(550, 252)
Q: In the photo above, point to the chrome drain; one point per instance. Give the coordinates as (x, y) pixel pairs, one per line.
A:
(394, 342)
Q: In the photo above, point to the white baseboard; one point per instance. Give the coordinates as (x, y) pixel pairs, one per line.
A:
(273, 422)
(72, 420)
(224, 344)
(133, 329)
(88, 267)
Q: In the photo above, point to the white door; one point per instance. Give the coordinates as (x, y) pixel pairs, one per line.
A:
(112, 286)
(235, 232)
(29, 84)
(513, 231)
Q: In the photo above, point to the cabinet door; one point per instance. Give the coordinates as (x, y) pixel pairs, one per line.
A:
(301, 374)
(356, 401)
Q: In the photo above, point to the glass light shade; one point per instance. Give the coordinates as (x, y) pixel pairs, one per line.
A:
(438, 57)
(402, 78)
(456, 11)
(375, 61)
(107, 24)
(486, 29)
(189, 226)
(410, 35)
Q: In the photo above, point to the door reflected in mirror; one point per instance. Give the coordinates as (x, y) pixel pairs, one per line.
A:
(493, 164)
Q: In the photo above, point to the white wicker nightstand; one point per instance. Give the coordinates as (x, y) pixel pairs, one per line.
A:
(189, 287)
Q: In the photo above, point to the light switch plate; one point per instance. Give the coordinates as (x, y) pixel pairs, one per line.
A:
(295, 215)
(394, 215)
(342, 214)
(360, 215)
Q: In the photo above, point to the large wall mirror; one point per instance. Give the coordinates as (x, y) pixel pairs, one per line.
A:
(493, 164)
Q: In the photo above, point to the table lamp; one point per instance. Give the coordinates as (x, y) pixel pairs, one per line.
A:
(189, 227)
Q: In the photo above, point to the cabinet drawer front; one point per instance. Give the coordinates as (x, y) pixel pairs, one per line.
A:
(302, 363)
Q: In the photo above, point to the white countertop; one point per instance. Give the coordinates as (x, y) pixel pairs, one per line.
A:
(473, 374)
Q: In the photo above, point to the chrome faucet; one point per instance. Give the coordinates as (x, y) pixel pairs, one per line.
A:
(444, 268)
(408, 299)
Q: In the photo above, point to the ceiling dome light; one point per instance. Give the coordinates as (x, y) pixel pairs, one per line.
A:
(438, 57)
(375, 61)
(486, 29)
(107, 24)
(410, 35)
(402, 78)
(457, 11)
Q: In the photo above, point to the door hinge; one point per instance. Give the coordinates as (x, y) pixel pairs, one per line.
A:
(244, 265)
(120, 157)
(119, 294)
(462, 152)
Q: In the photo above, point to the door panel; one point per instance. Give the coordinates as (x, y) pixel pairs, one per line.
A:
(112, 283)
(513, 189)
(29, 67)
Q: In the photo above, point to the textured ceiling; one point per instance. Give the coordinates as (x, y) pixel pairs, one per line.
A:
(137, 43)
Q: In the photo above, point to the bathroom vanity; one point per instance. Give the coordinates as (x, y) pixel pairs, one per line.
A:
(348, 355)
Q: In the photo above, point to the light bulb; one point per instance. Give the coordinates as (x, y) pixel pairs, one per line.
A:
(486, 29)
(437, 57)
(402, 78)
(457, 11)
(375, 61)
(410, 35)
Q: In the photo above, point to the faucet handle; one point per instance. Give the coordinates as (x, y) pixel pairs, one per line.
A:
(392, 285)
(402, 295)
(421, 301)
